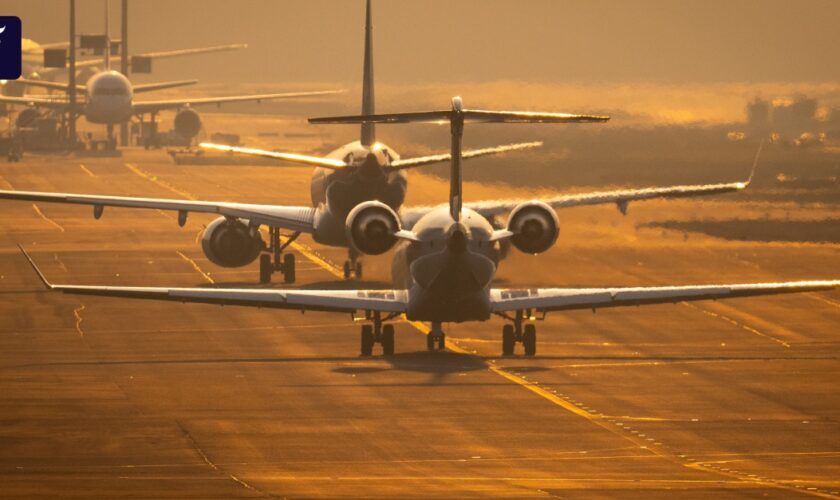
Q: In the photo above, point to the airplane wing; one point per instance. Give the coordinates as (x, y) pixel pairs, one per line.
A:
(164, 54)
(345, 301)
(293, 218)
(335, 164)
(566, 299)
(472, 153)
(148, 87)
(50, 85)
(155, 106)
(41, 102)
(621, 198)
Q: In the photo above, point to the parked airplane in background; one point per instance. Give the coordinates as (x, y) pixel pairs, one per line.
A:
(360, 171)
(447, 266)
(108, 98)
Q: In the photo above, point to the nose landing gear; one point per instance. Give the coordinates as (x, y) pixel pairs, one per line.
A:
(352, 266)
(275, 260)
(511, 334)
(436, 340)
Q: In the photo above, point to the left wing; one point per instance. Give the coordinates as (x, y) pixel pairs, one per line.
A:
(155, 106)
(40, 102)
(343, 301)
(567, 299)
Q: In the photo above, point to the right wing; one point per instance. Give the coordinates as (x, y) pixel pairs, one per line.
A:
(286, 217)
(341, 301)
(566, 299)
(148, 87)
(164, 54)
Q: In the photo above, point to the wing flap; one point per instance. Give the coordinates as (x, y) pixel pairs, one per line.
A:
(567, 299)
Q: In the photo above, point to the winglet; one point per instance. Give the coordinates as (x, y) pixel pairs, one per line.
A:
(754, 165)
(41, 276)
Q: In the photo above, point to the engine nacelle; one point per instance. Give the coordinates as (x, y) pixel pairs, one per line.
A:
(231, 243)
(370, 227)
(27, 118)
(187, 123)
(535, 227)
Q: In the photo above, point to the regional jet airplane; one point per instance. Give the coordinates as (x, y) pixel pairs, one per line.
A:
(447, 265)
(360, 171)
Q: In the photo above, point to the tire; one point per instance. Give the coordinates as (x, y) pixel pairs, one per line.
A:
(388, 340)
(367, 340)
(289, 268)
(265, 268)
(347, 270)
(442, 342)
(430, 343)
(358, 270)
(508, 340)
(529, 340)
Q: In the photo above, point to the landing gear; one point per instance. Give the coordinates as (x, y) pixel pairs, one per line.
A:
(276, 260)
(377, 332)
(511, 334)
(436, 340)
(352, 266)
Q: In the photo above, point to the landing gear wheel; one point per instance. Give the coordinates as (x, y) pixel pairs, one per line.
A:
(347, 270)
(289, 268)
(367, 340)
(529, 340)
(266, 268)
(441, 341)
(430, 343)
(387, 340)
(508, 340)
(358, 270)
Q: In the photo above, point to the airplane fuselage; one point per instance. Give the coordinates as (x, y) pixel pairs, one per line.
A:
(448, 272)
(336, 192)
(109, 99)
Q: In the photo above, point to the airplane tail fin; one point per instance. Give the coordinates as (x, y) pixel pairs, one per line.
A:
(107, 35)
(368, 137)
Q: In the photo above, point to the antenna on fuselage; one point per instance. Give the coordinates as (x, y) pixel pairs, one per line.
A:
(107, 35)
(368, 137)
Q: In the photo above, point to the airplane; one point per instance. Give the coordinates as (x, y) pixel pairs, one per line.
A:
(108, 98)
(447, 269)
(351, 174)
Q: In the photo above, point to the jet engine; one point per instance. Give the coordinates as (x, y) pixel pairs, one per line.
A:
(27, 118)
(187, 123)
(231, 243)
(535, 227)
(370, 227)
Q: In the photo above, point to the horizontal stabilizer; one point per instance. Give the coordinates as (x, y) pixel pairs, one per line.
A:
(469, 115)
(472, 153)
(290, 157)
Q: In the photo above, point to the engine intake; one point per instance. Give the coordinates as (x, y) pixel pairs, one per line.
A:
(535, 227)
(187, 123)
(370, 227)
(231, 243)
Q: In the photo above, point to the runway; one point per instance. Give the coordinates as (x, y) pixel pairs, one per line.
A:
(111, 398)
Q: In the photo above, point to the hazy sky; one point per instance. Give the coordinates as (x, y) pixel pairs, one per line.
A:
(474, 40)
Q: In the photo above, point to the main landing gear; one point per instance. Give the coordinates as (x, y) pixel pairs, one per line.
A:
(377, 333)
(436, 339)
(352, 266)
(275, 260)
(511, 334)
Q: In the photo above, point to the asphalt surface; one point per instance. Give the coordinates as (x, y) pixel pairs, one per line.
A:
(112, 398)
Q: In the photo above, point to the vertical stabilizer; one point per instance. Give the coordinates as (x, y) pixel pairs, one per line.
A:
(368, 129)
(107, 35)
(456, 123)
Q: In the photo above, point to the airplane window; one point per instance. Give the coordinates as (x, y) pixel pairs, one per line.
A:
(110, 91)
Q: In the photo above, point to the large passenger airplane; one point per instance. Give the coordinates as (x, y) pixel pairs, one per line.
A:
(447, 265)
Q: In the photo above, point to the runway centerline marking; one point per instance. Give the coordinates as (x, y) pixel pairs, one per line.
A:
(195, 266)
(85, 170)
(41, 215)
